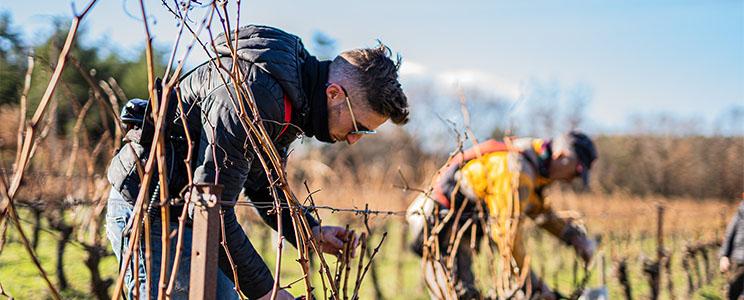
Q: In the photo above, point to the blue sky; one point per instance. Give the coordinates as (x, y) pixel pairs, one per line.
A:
(684, 58)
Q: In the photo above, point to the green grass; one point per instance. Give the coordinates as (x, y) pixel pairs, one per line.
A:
(21, 279)
(398, 269)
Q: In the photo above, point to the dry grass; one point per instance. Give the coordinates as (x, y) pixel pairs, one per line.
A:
(9, 129)
(686, 220)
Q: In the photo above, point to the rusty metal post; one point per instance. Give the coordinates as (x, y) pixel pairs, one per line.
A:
(205, 241)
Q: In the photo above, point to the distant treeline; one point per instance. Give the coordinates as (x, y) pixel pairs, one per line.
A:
(695, 166)
(642, 165)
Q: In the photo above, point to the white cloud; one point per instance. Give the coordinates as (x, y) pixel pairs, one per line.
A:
(409, 68)
(462, 78)
(482, 80)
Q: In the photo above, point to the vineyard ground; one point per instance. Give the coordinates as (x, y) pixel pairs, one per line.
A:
(627, 234)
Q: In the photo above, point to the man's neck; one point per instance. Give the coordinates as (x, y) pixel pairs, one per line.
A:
(314, 79)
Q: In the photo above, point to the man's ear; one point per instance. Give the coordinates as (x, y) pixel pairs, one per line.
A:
(560, 154)
(332, 91)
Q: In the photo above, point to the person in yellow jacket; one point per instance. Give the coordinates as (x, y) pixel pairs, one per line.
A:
(507, 179)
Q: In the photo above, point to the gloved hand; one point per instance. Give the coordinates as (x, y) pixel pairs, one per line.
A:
(584, 247)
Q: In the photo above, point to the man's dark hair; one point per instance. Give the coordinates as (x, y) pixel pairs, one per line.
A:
(374, 76)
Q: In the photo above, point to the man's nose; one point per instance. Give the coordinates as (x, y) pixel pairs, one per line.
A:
(353, 138)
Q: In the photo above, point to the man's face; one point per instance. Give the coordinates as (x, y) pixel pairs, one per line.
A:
(343, 111)
(564, 167)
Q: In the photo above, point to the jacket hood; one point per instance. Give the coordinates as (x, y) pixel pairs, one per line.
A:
(274, 51)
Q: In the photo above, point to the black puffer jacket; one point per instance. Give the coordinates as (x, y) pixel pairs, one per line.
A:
(275, 65)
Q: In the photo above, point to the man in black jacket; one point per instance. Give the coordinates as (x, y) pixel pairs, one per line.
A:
(339, 100)
(732, 254)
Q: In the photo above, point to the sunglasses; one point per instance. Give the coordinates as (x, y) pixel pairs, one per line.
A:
(358, 129)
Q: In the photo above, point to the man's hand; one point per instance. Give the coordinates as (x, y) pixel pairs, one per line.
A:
(724, 264)
(584, 247)
(331, 239)
(280, 295)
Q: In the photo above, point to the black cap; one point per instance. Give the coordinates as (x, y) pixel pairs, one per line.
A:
(585, 152)
(134, 112)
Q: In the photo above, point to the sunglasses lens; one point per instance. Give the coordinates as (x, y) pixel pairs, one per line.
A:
(363, 132)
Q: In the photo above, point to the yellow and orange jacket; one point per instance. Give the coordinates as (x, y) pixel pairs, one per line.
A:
(506, 176)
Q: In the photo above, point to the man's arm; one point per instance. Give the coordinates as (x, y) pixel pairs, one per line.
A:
(543, 215)
(727, 246)
(225, 157)
(258, 191)
(564, 229)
